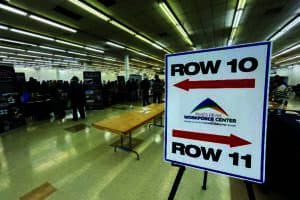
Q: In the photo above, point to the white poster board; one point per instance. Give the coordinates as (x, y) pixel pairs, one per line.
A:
(216, 109)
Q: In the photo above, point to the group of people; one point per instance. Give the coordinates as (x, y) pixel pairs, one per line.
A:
(71, 94)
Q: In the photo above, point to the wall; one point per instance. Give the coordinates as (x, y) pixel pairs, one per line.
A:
(292, 72)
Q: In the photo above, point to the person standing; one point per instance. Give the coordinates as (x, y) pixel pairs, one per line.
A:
(157, 89)
(145, 87)
(77, 98)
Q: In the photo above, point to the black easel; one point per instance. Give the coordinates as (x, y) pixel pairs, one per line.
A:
(181, 170)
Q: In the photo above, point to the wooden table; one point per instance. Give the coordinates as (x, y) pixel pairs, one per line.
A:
(125, 123)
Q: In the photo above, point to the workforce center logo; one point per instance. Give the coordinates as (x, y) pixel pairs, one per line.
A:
(218, 116)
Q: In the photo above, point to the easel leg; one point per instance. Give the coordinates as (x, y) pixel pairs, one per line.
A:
(204, 181)
(176, 182)
(250, 190)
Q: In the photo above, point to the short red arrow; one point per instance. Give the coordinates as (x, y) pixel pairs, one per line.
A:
(232, 140)
(215, 84)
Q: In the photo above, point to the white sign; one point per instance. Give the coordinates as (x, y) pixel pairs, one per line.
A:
(216, 109)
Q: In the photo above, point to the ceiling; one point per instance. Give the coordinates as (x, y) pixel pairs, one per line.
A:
(207, 22)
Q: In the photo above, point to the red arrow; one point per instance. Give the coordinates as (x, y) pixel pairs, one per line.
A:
(214, 84)
(232, 140)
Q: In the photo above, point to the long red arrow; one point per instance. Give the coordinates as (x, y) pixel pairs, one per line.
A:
(232, 140)
(215, 84)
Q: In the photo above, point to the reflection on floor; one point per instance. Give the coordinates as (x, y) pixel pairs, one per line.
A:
(83, 165)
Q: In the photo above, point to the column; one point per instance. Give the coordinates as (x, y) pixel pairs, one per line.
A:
(126, 67)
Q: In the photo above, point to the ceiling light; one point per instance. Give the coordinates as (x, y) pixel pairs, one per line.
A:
(31, 34)
(289, 49)
(112, 59)
(95, 50)
(115, 45)
(148, 41)
(63, 56)
(3, 27)
(236, 20)
(51, 48)
(30, 56)
(11, 48)
(89, 9)
(291, 63)
(143, 54)
(69, 43)
(288, 59)
(51, 23)
(124, 28)
(167, 11)
(16, 42)
(285, 28)
(81, 54)
(41, 53)
(12, 9)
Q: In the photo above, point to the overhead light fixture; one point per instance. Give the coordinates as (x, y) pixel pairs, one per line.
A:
(288, 59)
(285, 28)
(289, 49)
(31, 34)
(115, 45)
(90, 9)
(29, 56)
(69, 43)
(11, 48)
(148, 41)
(12, 9)
(291, 63)
(76, 53)
(17, 42)
(167, 11)
(236, 20)
(143, 54)
(3, 27)
(51, 48)
(41, 53)
(107, 18)
(95, 50)
(51, 23)
(124, 28)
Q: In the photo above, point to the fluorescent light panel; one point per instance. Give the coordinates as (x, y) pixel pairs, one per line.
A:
(11, 48)
(288, 59)
(41, 53)
(51, 48)
(77, 53)
(51, 23)
(95, 50)
(69, 43)
(16, 42)
(237, 17)
(176, 23)
(289, 49)
(285, 28)
(124, 28)
(115, 45)
(12, 9)
(31, 34)
(89, 9)
(3, 27)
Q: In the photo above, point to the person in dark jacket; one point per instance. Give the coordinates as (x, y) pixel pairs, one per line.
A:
(157, 89)
(77, 98)
(145, 87)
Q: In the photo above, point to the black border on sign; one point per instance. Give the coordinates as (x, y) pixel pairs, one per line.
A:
(263, 139)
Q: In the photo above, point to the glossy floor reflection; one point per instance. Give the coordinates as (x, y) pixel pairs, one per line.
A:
(83, 165)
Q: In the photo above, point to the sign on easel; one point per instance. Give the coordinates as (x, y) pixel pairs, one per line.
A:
(216, 109)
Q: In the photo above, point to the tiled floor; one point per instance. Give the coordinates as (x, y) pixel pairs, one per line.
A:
(83, 165)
